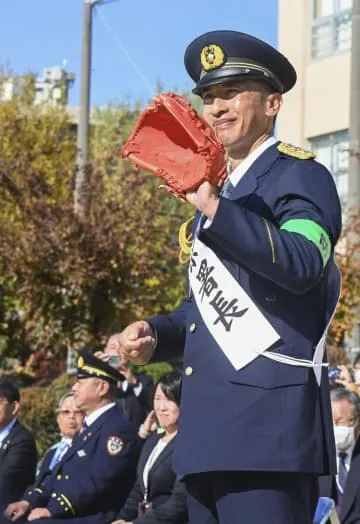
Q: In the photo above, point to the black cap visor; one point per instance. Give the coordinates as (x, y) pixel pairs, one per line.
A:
(231, 75)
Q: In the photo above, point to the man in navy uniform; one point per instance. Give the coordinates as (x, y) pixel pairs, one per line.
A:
(97, 472)
(255, 428)
(135, 392)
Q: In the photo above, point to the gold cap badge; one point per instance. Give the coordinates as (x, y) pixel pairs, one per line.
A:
(212, 56)
(80, 362)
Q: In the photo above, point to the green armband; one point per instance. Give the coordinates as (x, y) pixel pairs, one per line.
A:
(313, 232)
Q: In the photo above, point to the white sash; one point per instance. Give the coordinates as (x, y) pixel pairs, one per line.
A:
(233, 319)
(239, 327)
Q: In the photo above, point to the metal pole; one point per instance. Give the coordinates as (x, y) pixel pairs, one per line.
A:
(354, 144)
(354, 127)
(80, 197)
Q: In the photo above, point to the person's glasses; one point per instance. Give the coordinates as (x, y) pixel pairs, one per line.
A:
(67, 412)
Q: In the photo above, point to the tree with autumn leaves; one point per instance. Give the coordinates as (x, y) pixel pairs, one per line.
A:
(347, 256)
(65, 284)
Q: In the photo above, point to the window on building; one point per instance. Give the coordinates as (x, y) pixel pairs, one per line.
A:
(331, 27)
(333, 151)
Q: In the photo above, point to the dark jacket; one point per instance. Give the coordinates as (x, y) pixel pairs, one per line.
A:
(270, 416)
(43, 467)
(95, 474)
(18, 457)
(166, 493)
(136, 408)
(350, 507)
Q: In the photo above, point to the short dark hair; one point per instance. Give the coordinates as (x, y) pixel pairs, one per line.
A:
(338, 394)
(113, 391)
(170, 384)
(8, 390)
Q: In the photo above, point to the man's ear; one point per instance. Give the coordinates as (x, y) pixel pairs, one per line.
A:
(273, 104)
(104, 387)
(15, 408)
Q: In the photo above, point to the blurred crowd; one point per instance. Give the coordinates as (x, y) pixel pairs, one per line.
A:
(112, 462)
(344, 488)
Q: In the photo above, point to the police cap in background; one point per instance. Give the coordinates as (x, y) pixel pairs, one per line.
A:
(90, 366)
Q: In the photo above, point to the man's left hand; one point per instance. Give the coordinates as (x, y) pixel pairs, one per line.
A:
(205, 199)
(39, 513)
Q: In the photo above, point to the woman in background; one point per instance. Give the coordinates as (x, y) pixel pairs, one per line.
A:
(157, 496)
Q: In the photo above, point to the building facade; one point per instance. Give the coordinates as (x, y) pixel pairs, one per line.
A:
(51, 88)
(316, 37)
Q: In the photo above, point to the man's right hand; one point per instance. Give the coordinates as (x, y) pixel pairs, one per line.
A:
(136, 342)
(15, 510)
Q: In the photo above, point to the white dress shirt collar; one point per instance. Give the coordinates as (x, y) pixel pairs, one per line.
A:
(241, 169)
(4, 432)
(90, 419)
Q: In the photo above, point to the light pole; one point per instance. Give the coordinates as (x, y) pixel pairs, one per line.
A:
(354, 128)
(80, 197)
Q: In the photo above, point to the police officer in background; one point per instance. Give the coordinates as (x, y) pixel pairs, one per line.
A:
(98, 470)
(255, 427)
(135, 391)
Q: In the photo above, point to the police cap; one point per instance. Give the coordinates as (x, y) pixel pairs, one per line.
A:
(90, 366)
(227, 56)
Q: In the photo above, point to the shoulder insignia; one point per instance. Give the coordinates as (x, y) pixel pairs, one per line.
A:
(297, 152)
(115, 445)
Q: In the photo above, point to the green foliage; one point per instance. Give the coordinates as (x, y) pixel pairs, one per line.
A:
(155, 370)
(65, 284)
(38, 410)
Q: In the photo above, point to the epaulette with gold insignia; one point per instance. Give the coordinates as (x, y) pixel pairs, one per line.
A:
(297, 152)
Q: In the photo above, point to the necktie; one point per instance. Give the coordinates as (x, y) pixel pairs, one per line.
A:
(84, 427)
(227, 188)
(59, 453)
(342, 473)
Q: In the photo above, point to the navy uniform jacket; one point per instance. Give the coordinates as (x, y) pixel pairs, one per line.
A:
(96, 473)
(43, 468)
(267, 416)
(18, 457)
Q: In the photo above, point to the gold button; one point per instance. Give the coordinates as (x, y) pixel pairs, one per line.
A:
(192, 327)
(188, 371)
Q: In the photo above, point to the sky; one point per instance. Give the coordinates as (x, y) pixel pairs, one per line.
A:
(135, 44)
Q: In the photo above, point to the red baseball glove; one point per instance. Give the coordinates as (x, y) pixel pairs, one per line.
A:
(172, 141)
